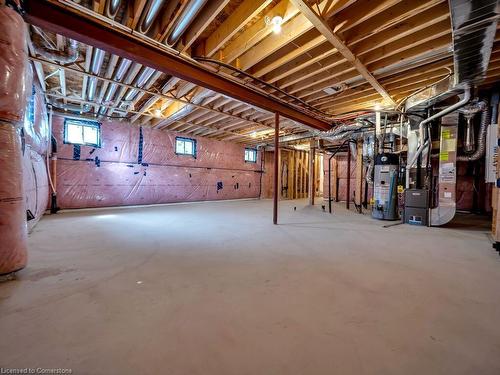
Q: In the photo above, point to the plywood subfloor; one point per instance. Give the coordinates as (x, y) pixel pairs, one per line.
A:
(215, 288)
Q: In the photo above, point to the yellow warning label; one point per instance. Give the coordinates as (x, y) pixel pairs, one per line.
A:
(401, 189)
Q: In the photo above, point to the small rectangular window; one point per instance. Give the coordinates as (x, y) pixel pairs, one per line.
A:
(250, 155)
(82, 132)
(185, 146)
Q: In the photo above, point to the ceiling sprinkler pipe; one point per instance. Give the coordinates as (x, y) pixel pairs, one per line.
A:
(188, 15)
(153, 8)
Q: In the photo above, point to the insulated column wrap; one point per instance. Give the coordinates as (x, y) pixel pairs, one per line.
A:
(14, 88)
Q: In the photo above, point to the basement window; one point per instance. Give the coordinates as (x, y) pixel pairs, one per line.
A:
(185, 146)
(250, 155)
(81, 132)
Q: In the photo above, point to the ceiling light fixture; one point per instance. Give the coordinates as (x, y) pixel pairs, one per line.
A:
(275, 23)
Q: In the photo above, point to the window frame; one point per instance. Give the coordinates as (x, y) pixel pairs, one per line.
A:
(84, 123)
(254, 151)
(186, 139)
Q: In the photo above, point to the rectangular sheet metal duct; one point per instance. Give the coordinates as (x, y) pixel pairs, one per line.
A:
(62, 20)
(474, 24)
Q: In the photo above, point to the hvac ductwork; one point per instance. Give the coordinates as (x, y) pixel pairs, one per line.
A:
(66, 56)
(150, 15)
(113, 7)
(481, 143)
(118, 76)
(95, 67)
(141, 81)
(182, 23)
(187, 109)
(69, 107)
(474, 24)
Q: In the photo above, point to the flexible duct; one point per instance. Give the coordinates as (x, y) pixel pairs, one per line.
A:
(187, 16)
(68, 55)
(15, 86)
(481, 143)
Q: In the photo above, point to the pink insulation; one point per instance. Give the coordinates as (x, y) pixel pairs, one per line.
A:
(14, 85)
(15, 82)
(342, 178)
(13, 250)
(112, 175)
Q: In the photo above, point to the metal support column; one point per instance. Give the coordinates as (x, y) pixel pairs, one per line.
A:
(276, 166)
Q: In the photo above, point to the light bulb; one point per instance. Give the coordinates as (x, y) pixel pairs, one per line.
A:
(276, 24)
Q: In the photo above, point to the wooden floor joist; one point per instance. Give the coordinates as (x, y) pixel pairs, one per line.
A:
(323, 27)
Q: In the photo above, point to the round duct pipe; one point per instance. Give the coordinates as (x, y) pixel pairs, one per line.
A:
(152, 11)
(113, 6)
(182, 23)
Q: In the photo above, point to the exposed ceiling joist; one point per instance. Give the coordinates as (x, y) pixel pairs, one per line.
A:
(89, 30)
(329, 34)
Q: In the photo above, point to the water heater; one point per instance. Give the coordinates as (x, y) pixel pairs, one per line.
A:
(385, 183)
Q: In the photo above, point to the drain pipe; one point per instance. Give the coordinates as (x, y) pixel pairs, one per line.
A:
(425, 143)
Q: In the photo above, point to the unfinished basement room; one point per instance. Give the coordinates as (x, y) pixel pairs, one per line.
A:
(249, 187)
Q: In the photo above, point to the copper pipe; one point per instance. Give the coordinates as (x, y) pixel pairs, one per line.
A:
(276, 166)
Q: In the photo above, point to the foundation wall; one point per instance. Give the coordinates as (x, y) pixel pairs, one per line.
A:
(130, 169)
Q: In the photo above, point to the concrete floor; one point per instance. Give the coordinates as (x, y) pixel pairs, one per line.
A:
(214, 288)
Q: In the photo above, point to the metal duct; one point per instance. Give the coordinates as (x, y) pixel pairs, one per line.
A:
(152, 11)
(474, 24)
(118, 76)
(481, 143)
(187, 109)
(68, 55)
(69, 107)
(113, 6)
(182, 23)
(144, 77)
(95, 67)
